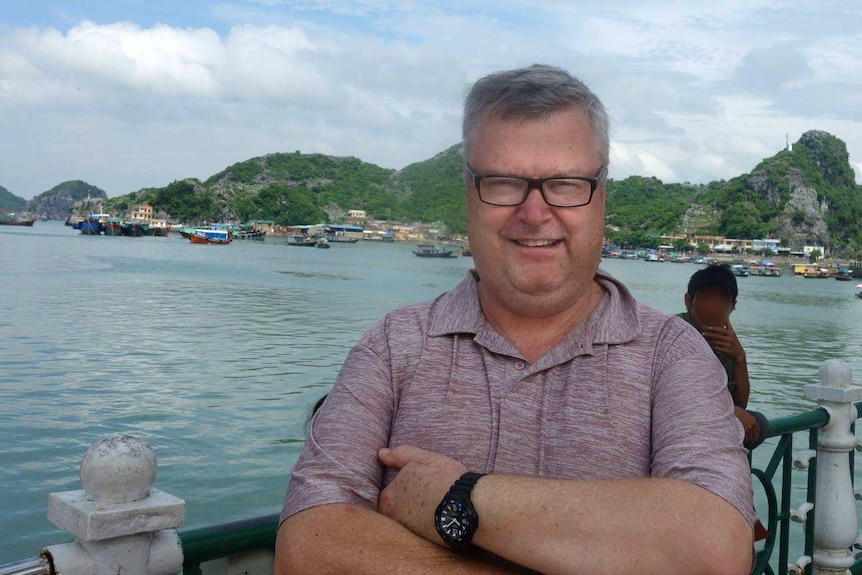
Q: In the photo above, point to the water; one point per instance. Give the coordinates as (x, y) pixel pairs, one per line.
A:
(215, 354)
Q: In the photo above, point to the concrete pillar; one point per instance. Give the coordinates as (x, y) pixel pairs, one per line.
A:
(835, 527)
(123, 524)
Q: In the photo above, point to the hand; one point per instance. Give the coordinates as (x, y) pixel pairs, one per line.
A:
(749, 425)
(724, 339)
(423, 479)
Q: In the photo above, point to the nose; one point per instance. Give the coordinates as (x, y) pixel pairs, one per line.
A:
(534, 210)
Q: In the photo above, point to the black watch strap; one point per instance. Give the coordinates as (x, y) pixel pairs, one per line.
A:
(464, 485)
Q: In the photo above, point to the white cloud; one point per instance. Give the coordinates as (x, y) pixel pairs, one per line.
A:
(697, 91)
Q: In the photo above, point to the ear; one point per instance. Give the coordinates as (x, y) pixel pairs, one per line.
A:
(688, 301)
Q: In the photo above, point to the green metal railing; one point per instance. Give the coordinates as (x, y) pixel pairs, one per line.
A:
(209, 543)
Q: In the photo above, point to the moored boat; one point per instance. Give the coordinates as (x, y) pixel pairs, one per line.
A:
(843, 274)
(112, 227)
(322, 243)
(333, 239)
(133, 229)
(13, 219)
(765, 271)
(302, 241)
(92, 223)
(814, 272)
(210, 236)
(432, 251)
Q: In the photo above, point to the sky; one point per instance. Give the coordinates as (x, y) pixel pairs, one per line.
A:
(127, 94)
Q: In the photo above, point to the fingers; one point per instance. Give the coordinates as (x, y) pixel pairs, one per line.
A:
(399, 456)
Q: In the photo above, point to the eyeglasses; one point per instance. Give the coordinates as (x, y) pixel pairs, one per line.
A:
(568, 192)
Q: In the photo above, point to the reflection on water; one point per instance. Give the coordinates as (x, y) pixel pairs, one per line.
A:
(215, 355)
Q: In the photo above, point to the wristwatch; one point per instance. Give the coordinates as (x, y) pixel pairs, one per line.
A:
(455, 518)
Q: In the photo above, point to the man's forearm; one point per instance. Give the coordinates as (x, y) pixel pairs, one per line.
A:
(347, 539)
(620, 526)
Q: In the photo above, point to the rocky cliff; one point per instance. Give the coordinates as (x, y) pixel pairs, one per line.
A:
(61, 200)
(807, 194)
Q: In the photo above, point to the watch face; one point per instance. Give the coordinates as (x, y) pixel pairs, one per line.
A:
(454, 519)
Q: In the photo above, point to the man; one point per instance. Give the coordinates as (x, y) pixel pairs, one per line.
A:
(709, 301)
(536, 417)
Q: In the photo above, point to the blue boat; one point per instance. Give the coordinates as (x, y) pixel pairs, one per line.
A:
(91, 225)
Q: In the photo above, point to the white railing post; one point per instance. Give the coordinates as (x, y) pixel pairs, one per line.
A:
(835, 523)
(122, 523)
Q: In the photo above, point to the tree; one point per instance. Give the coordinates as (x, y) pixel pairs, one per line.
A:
(682, 245)
(703, 248)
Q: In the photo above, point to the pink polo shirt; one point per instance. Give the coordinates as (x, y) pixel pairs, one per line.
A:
(630, 392)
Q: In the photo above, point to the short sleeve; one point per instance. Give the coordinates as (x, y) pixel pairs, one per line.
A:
(696, 436)
(338, 463)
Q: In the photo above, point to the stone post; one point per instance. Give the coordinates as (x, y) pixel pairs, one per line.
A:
(121, 522)
(835, 527)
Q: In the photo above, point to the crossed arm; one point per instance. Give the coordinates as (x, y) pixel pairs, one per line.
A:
(643, 525)
(727, 342)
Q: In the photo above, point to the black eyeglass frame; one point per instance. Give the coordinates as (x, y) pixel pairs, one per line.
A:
(537, 184)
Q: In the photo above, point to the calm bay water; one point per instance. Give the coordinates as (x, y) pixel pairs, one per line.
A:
(215, 354)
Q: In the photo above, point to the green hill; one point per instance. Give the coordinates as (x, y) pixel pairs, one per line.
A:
(58, 202)
(802, 196)
(434, 190)
(11, 202)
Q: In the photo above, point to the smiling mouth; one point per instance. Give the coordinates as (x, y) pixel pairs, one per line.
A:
(536, 243)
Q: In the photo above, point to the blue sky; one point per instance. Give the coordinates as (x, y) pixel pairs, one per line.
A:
(130, 94)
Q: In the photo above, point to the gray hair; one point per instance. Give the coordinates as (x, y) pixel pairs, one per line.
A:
(534, 92)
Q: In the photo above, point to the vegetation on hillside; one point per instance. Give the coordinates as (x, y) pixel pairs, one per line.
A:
(435, 190)
(804, 195)
(10, 202)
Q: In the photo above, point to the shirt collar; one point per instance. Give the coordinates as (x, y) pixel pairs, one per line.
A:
(613, 321)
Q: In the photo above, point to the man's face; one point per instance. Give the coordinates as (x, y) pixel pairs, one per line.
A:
(536, 259)
(710, 307)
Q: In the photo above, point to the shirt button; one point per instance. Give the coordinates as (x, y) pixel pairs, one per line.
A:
(520, 365)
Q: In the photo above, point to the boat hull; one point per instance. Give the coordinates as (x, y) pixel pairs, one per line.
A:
(442, 255)
(26, 223)
(133, 230)
(91, 227)
(302, 242)
(195, 239)
(112, 229)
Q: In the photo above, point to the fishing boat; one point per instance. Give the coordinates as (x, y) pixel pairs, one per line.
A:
(210, 236)
(859, 291)
(432, 251)
(333, 239)
(740, 270)
(323, 244)
(843, 274)
(766, 271)
(465, 251)
(814, 272)
(249, 234)
(133, 229)
(12, 219)
(302, 241)
(112, 227)
(93, 222)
